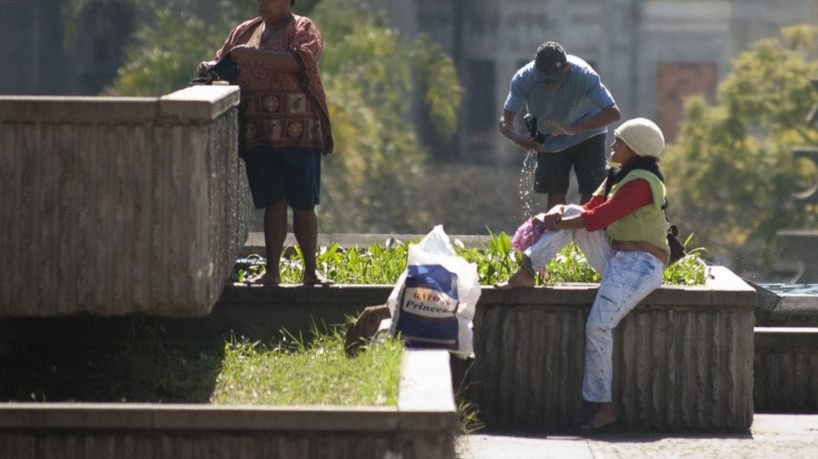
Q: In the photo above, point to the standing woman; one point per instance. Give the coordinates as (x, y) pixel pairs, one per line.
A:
(622, 231)
(284, 126)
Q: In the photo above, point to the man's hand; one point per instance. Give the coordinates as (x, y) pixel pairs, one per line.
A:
(605, 117)
(527, 142)
(561, 129)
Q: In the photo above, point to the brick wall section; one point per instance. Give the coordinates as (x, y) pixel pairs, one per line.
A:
(674, 82)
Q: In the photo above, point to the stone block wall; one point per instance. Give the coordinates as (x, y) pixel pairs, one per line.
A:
(114, 206)
(683, 358)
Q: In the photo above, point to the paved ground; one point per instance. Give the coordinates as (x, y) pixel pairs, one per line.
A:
(772, 436)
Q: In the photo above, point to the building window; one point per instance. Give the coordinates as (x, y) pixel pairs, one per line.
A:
(482, 109)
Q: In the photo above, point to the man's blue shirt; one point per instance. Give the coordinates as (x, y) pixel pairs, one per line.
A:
(580, 96)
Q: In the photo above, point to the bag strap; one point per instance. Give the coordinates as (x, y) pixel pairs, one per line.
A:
(609, 182)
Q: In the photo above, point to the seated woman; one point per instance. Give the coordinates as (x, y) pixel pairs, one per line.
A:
(623, 232)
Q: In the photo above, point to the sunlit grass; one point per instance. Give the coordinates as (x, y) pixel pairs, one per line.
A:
(297, 372)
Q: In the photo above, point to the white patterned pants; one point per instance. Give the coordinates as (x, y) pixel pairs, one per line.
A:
(627, 278)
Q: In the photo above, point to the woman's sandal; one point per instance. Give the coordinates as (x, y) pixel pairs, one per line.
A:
(592, 426)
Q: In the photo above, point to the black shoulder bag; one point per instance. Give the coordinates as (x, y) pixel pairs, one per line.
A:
(677, 249)
(224, 70)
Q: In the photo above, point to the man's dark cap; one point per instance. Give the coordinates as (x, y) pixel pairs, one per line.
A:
(550, 63)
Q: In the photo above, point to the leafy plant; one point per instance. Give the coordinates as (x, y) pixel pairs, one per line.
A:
(690, 270)
(495, 262)
(570, 265)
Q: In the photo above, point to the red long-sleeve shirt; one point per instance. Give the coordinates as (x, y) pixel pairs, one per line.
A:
(600, 213)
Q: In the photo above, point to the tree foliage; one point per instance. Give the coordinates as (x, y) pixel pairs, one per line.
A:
(731, 174)
(372, 76)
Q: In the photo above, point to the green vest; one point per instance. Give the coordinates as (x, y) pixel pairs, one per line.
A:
(646, 223)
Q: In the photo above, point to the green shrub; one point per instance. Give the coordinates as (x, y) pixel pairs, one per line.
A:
(495, 262)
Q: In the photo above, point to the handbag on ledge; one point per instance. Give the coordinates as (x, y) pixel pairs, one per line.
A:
(224, 70)
(677, 249)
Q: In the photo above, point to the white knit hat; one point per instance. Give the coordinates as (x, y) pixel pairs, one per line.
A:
(643, 136)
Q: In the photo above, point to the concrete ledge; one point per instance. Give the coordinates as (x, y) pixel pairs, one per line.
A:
(422, 425)
(683, 358)
(196, 103)
(723, 288)
(793, 337)
(297, 307)
(785, 310)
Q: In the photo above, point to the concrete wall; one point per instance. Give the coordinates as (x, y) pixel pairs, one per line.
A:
(114, 206)
(786, 370)
(81, 57)
(421, 426)
(683, 357)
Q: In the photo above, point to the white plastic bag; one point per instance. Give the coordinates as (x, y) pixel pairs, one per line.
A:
(434, 300)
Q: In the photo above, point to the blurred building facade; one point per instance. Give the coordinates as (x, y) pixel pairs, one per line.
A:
(651, 54)
(46, 54)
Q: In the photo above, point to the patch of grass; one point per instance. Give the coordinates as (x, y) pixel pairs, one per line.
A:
(145, 365)
(294, 372)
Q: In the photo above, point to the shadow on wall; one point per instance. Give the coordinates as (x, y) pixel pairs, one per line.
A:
(90, 359)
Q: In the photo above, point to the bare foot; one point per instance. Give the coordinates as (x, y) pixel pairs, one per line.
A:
(520, 279)
(265, 278)
(316, 278)
(604, 416)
